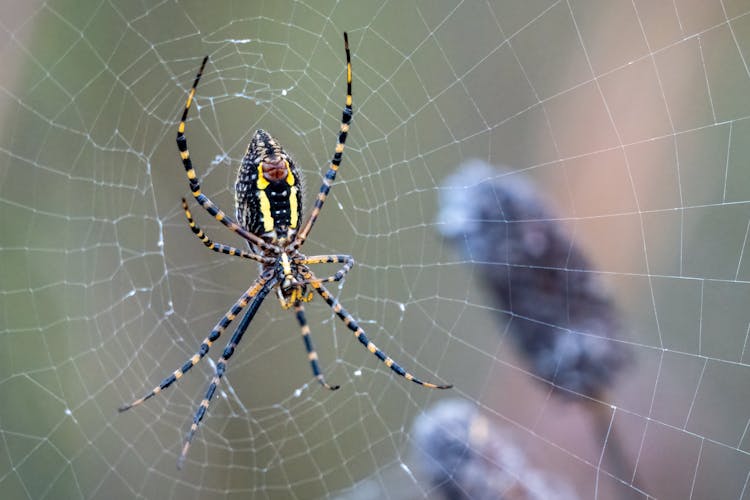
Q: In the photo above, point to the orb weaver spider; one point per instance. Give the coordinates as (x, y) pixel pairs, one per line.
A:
(268, 199)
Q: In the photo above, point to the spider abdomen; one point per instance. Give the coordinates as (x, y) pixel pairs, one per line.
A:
(283, 205)
(268, 191)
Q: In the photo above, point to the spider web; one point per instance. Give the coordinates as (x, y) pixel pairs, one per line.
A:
(633, 116)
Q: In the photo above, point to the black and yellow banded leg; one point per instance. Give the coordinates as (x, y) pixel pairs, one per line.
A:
(221, 367)
(219, 247)
(347, 260)
(216, 332)
(312, 355)
(352, 325)
(194, 181)
(330, 176)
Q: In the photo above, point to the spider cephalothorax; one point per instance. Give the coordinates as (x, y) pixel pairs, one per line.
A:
(268, 191)
(269, 214)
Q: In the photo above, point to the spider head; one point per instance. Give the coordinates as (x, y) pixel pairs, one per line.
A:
(290, 290)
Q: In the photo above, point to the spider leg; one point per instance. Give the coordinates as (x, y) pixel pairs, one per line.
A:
(195, 186)
(254, 291)
(221, 366)
(352, 325)
(312, 355)
(219, 247)
(346, 118)
(347, 260)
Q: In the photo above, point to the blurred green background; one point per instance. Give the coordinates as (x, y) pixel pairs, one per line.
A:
(633, 115)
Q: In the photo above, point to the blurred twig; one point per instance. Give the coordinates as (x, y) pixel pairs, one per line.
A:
(562, 318)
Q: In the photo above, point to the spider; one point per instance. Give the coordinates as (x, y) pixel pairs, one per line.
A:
(268, 199)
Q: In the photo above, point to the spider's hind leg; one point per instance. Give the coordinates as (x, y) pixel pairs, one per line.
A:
(194, 181)
(330, 176)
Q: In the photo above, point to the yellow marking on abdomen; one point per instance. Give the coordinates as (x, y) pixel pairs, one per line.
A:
(289, 176)
(265, 210)
(293, 208)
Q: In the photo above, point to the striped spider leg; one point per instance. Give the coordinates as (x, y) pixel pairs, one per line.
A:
(221, 365)
(258, 288)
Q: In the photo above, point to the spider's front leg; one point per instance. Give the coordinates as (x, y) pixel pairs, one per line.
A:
(352, 325)
(312, 355)
(258, 286)
(221, 366)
